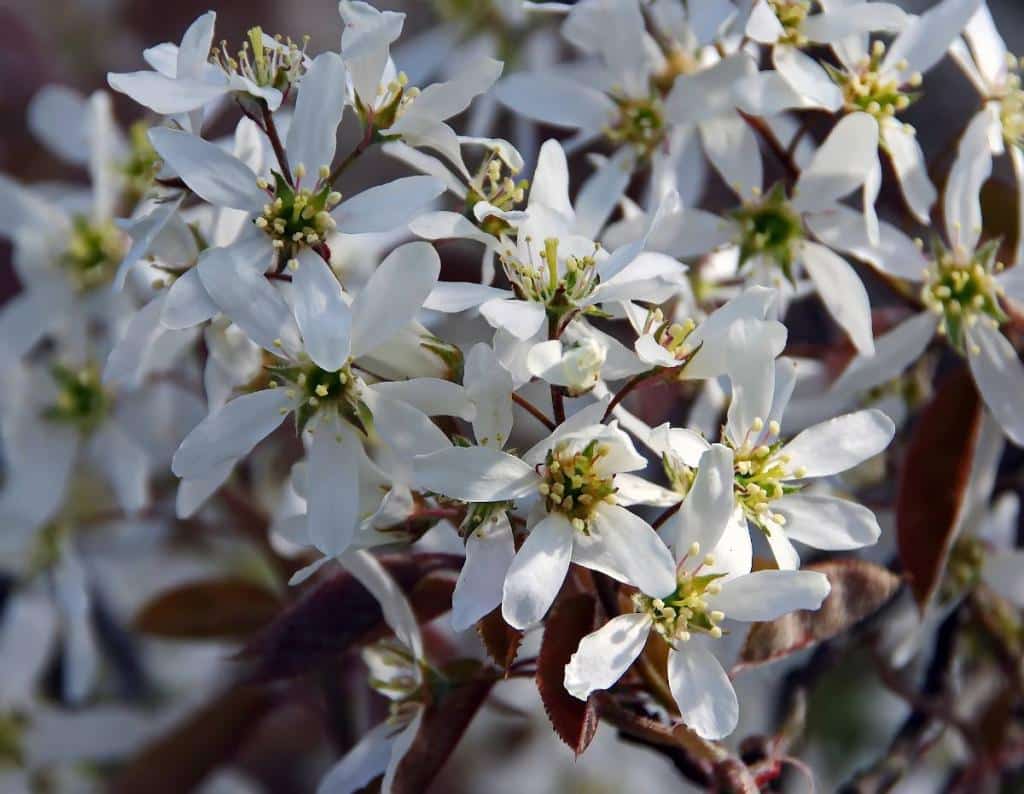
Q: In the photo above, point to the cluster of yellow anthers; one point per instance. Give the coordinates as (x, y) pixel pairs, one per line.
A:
(493, 185)
(641, 124)
(874, 90)
(678, 616)
(572, 486)
(298, 216)
(93, 253)
(1011, 102)
(962, 290)
(673, 338)
(550, 285)
(267, 65)
(760, 472)
(82, 401)
(791, 15)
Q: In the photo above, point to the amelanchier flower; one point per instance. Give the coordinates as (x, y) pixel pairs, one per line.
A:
(771, 231)
(694, 593)
(574, 475)
(193, 76)
(313, 377)
(962, 285)
(770, 473)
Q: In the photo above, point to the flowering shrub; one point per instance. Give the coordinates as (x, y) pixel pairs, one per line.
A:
(598, 392)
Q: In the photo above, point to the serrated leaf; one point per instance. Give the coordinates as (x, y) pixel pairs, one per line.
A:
(570, 620)
(443, 726)
(936, 472)
(209, 609)
(859, 589)
(339, 614)
(500, 639)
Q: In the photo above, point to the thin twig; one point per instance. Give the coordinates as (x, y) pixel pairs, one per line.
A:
(270, 128)
(533, 410)
(627, 387)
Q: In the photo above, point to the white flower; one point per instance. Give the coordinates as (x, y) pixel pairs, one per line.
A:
(397, 670)
(769, 473)
(576, 475)
(698, 590)
(962, 286)
(193, 76)
(316, 346)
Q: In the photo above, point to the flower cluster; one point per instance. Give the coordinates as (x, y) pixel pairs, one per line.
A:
(609, 407)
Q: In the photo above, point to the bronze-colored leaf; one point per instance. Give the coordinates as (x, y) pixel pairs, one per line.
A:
(500, 639)
(210, 609)
(570, 620)
(199, 744)
(936, 472)
(339, 614)
(443, 725)
(859, 589)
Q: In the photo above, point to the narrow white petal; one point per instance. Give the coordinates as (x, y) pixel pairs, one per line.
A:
(732, 148)
(962, 200)
(323, 316)
(808, 77)
(1002, 572)
(332, 498)
(387, 207)
(522, 319)
(365, 761)
(911, 168)
(187, 303)
(537, 572)
(313, 132)
(827, 522)
(550, 186)
(395, 606)
(432, 396)
(475, 474)
(166, 95)
(999, 373)
(767, 595)
(895, 350)
(707, 702)
(840, 444)
(489, 553)
(556, 100)
(604, 655)
(839, 167)
(708, 506)
(842, 292)
(457, 296)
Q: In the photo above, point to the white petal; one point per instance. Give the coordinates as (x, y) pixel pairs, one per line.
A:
(408, 431)
(313, 132)
(365, 761)
(732, 148)
(763, 25)
(962, 201)
(556, 100)
(395, 292)
(707, 702)
(398, 613)
(441, 101)
(27, 632)
(708, 93)
(839, 23)
(1002, 572)
(332, 487)
(604, 655)
(926, 39)
(911, 168)
(208, 170)
(839, 167)
(187, 303)
(751, 348)
(144, 232)
(230, 432)
(323, 316)
(808, 77)
(475, 474)
(999, 374)
(447, 225)
(842, 292)
(387, 207)
(767, 595)
(365, 42)
(457, 296)
(601, 192)
(826, 522)
(125, 464)
(537, 572)
(840, 444)
(626, 548)
(166, 95)
(787, 558)
(234, 279)
(489, 385)
(550, 186)
(522, 319)
(708, 506)
(53, 115)
(489, 553)
(402, 745)
(843, 229)
(687, 445)
(894, 352)
(432, 396)
(634, 490)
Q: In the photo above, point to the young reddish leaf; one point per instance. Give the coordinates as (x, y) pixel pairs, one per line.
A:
(859, 589)
(500, 639)
(212, 609)
(936, 472)
(339, 613)
(443, 725)
(202, 742)
(570, 620)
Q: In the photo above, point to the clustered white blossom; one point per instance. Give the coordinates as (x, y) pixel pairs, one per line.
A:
(214, 306)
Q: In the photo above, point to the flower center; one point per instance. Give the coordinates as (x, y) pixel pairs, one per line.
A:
(791, 15)
(673, 336)
(560, 285)
(81, 399)
(771, 229)
(141, 164)
(641, 124)
(873, 90)
(572, 486)
(266, 65)
(760, 473)
(1011, 104)
(12, 735)
(316, 389)
(298, 217)
(94, 251)
(961, 292)
(685, 612)
(495, 185)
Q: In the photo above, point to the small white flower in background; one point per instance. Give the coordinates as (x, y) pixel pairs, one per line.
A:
(697, 590)
(961, 286)
(769, 473)
(575, 477)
